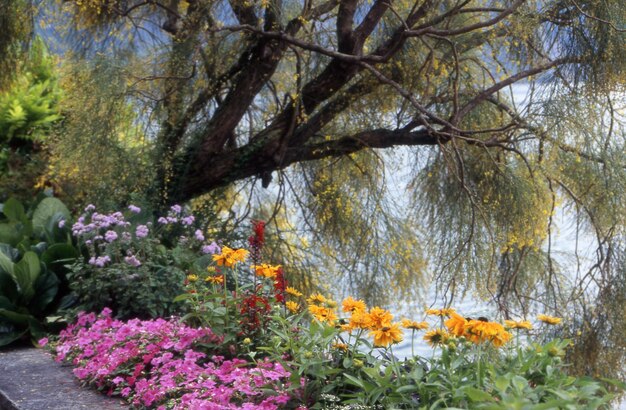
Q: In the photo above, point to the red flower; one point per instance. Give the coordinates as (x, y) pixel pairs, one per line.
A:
(258, 239)
(280, 283)
(254, 313)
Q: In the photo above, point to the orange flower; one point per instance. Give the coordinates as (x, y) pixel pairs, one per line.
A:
(411, 324)
(323, 314)
(512, 324)
(340, 346)
(360, 320)
(215, 279)
(456, 324)
(316, 299)
(550, 320)
(229, 257)
(379, 318)
(266, 271)
(440, 312)
(387, 335)
(351, 305)
(436, 337)
(480, 331)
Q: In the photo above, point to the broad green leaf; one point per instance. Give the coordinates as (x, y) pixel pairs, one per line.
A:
(14, 317)
(59, 255)
(8, 287)
(26, 272)
(6, 265)
(46, 209)
(10, 233)
(46, 288)
(14, 210)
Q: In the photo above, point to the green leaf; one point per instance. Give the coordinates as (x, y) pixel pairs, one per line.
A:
(475, 394)
(8, 287)
(26, 272)
(8, 337)
(6, 265)
(46, 288)
(59, 255)
(14, 210)
(47, 209)
(182, 297)
(10, 233)
(354, 381)
(502, 383)
(14, 317)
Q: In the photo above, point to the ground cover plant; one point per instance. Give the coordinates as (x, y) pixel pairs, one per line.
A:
(249, 340)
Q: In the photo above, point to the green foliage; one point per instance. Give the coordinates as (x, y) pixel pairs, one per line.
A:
(29, 110)
(33, 255)
(16, 22)
(132, 266)
(30, 107)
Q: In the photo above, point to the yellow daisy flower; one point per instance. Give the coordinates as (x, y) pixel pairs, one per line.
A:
(524, 324)
(413, 325)
(293, 291)
(292, 306)
(387, 335)
(550, 320)
(351, 305)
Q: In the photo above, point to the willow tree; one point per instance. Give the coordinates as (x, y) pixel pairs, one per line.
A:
(309, 97)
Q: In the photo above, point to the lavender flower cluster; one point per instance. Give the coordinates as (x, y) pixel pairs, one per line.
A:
(102, 232)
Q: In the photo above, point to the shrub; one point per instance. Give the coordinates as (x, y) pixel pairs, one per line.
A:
(134, 266)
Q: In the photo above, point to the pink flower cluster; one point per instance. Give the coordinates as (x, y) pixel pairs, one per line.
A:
(153, 364)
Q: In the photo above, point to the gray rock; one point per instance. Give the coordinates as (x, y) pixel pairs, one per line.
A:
(31, 380)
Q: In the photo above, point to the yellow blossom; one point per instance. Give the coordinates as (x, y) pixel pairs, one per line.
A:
(266, 271)
(215, 279)
(387, 335)
(292, 306)
(323, 314)
(440, 312)
(524, 324)
(229, 257)
(351, 305)
(192, 278)
(379, 318)
(550, 320)
(316, 299)
(436, 337)
(293, 291)
(413, 325)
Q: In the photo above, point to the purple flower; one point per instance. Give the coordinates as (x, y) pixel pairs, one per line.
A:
(176, 209)
(132, 260)
(198, 235)
(162, 220)
(126, 237)
(61, 223)
(90, 208)
(134, 209)
(42, 342)
(100, 261)
(212, 249)
(141, 231)
(188, 220)
(110, 236)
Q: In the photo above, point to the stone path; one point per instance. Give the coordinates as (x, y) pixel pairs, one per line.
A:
(31, 380)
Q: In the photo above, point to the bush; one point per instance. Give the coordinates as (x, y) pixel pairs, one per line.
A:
(133, 266)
